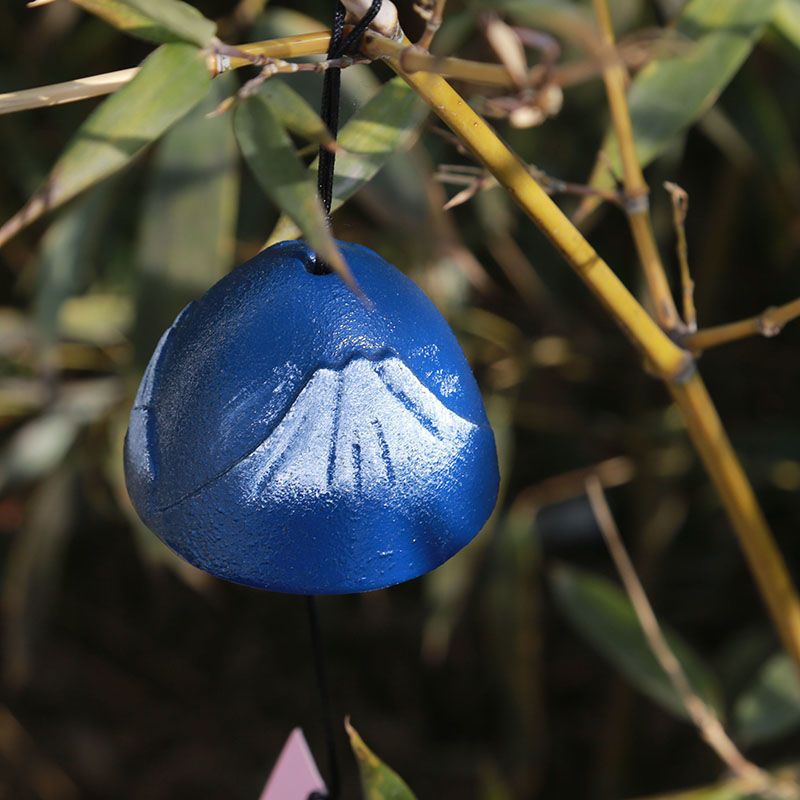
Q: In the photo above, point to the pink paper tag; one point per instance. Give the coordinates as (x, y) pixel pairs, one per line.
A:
(295, 775)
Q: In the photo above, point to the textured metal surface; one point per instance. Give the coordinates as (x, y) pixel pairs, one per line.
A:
(288, 436)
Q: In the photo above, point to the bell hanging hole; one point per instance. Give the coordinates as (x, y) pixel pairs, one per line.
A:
(316, 265)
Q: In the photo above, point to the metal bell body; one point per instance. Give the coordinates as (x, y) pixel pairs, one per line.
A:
(288, 435)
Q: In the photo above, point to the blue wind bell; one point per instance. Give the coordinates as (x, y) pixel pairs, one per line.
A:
(289, 436)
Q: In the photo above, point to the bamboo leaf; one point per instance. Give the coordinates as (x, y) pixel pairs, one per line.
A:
(268, 150)
(670, 94)
(378, 781)
(604, 615)
(386, 123)
(294, 111)
(786, 18)
(728, 790)
(67, 247)
(770, 706)
(172, 80)
(188, 233)
(154, 20)
(31, 567)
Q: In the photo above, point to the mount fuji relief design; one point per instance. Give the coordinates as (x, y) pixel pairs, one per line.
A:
(362, 428)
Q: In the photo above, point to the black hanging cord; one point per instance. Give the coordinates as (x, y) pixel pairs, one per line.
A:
(327, 719)
(331, 83)
(329, 112)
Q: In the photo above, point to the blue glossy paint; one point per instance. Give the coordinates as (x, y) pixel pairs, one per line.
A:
(288, 436)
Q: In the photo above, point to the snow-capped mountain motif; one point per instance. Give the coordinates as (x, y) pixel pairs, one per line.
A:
(362, 428)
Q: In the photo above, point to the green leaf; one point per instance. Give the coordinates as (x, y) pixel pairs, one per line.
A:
(294, 112)
(31, 569)
(786, 18)
(41, 444)
(188, 232)
(154, 20)
(37, 448)
(570, 21)
(670, 94)
(384, 124)
(770, 706)
(718, 791)
(66, 249)
(268, 150)
(172, 80)
(604, 615)
(378, 781)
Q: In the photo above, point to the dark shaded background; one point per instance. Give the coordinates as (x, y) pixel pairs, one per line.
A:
(127, 675)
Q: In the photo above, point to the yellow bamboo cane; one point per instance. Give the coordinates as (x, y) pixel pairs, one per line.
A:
(674, 365)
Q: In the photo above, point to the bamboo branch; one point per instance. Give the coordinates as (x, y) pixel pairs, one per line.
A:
(674, 365)
(66, 92)
(97, 85)
(432, 12)
(638, 206)
(680, 207)
(227, 57)
(703, 716)
(768, 323)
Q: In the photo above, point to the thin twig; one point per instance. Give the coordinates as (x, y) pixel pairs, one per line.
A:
(277, 66)
(680, 207)
(478, 180)
(703, 716)
(638, 206)
(432, 12)
(768, 323)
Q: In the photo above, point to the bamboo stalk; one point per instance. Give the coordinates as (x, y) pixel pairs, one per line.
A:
(304, 44)
(97, 85)
(674, 365)
(722, 464)
(66, 92)
(638, 206)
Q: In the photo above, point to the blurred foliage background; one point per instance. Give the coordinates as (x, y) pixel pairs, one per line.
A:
(514, 671)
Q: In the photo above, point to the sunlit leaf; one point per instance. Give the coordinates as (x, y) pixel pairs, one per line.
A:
(383, 125)
(64, 254)
(770, 706)
(268, 150)
(188, 231)
(37, 448)
(98, 318)
(40, 445)
(605, 616)
(719, 791)
(670, 94)
(294, 112)
(154, 20)
(786, 18)
(172, 80)
(378, 781)
(277, 21)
